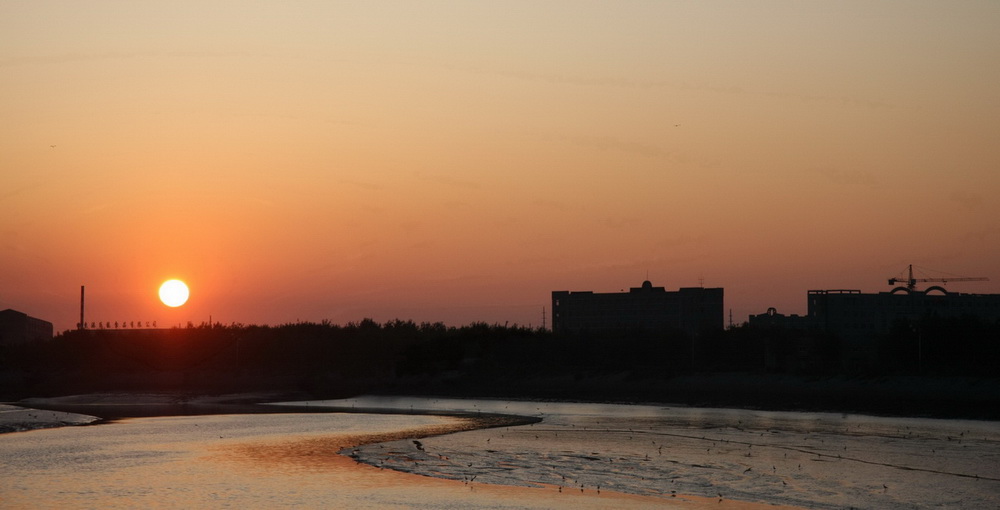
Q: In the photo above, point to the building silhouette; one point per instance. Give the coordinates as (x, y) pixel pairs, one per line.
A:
(860, 320)
(646, 308)
(18, 328)
(852, 313)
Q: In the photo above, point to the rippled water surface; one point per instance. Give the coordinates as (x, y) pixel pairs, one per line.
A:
(578, 456)
(814, 460)
(242, 461)
(182, 461)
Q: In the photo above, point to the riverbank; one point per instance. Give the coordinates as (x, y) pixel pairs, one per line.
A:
(902, 396)
(20, 419)
(930, 397)
(39, 413)
(944, 398)
(328, 361)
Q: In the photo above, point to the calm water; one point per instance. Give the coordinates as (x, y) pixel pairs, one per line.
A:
(242, 461)
(286, 460)
(171, 462)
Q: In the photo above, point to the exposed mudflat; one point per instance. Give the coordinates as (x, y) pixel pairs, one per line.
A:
(814, 460)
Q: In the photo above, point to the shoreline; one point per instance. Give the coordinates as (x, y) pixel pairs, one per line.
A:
(976, 398)
(748, 455)
(897, 397)
(347, 450)
(336, 451)
(98, 409)
(590, 444)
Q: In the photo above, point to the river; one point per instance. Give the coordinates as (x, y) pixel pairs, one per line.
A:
(577, 456)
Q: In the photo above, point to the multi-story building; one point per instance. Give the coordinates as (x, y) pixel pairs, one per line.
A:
(858, 320)
(648, 308)
(18, 328)
(850, 313)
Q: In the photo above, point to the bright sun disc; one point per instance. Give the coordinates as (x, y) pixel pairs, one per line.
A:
(174, 293)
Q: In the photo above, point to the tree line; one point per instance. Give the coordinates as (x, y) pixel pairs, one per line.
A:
(476, 359)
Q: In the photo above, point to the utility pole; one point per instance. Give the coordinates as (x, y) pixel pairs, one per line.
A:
(83, 325)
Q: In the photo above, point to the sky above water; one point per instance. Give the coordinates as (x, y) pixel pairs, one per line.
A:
(458, 161)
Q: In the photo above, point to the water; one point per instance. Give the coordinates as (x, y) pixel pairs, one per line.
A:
(205, 461)
(814, 460)
(640, 456)
(243, 461)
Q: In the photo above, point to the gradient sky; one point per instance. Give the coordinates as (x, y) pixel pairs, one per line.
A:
(458, 161)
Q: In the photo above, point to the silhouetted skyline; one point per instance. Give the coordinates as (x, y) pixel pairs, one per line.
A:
(457, 162)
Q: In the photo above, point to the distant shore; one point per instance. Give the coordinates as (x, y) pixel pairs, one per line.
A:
(929, 397)
(311, 361)
(946, 398)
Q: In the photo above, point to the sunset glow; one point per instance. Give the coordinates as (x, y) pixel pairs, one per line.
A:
(459, 161)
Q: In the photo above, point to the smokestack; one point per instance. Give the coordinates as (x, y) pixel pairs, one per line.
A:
(83, 325)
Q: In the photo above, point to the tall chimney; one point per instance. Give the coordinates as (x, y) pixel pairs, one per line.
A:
(83, 325)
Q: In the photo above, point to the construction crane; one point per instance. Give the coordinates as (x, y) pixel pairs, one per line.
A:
(911, 282)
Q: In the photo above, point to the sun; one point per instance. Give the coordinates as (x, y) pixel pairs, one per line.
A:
(174, 293)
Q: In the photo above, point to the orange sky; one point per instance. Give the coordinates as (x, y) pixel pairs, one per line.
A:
(458, 161)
